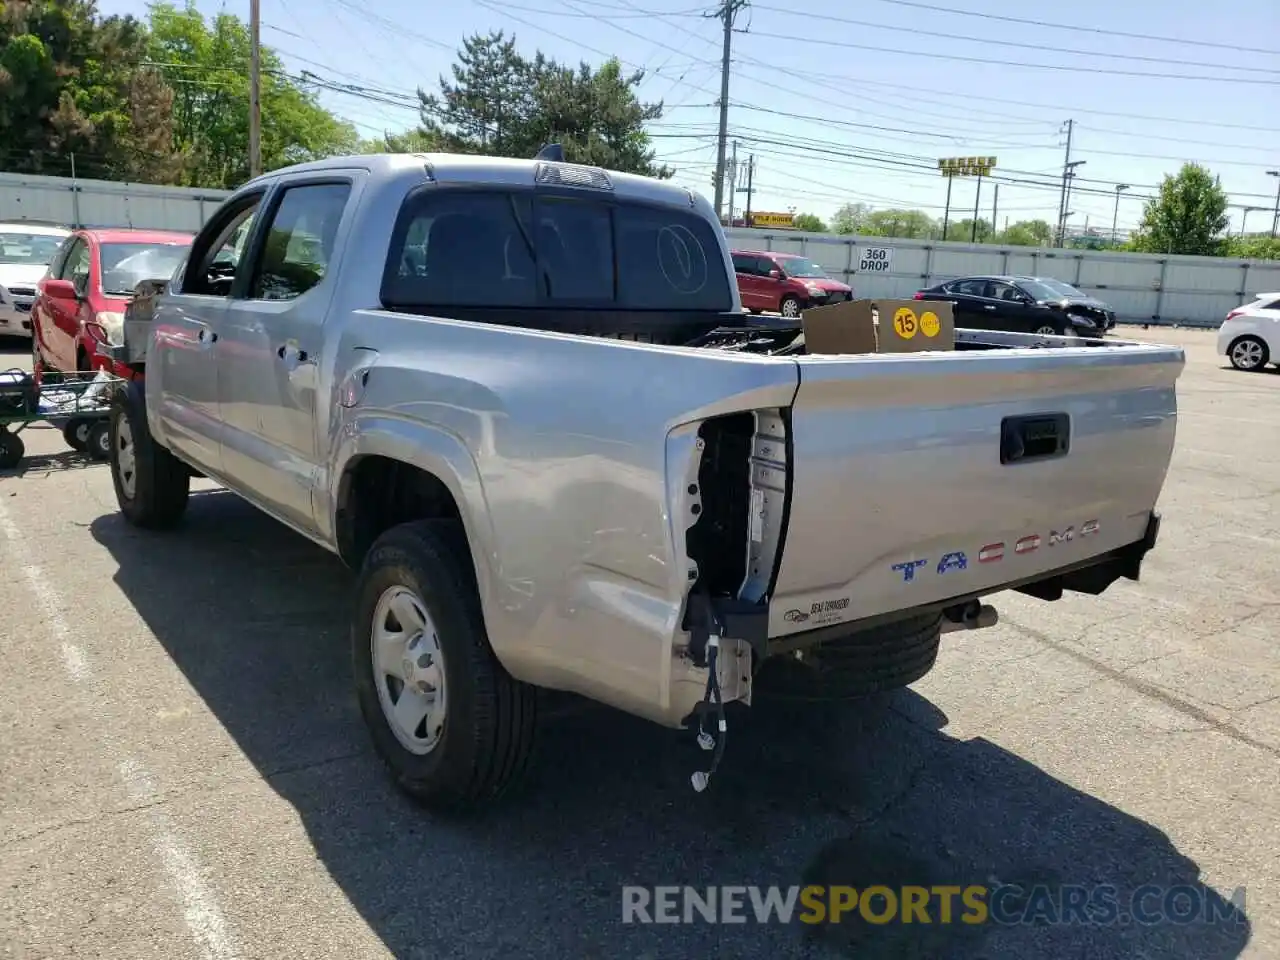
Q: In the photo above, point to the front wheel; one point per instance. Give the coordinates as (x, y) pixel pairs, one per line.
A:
(1050, 330)
(151, 484)
(790, 307)
(1249, 354)
(452, 726)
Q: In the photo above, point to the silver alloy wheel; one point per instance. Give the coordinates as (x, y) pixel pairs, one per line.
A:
(791, 308)
(1247, 354)
(1045, 330)
(126, 457)
(408, 669)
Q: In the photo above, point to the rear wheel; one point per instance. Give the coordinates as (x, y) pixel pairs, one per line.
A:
(452, 726)
(151, 484)
(1248, 353)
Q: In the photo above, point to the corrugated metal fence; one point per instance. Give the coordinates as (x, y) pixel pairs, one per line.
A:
(101, 203)
(1142, 288)
(1195, 291)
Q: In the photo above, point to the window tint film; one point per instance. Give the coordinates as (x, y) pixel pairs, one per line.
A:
(510, 249)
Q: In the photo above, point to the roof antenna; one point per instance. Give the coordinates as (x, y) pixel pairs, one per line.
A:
(553, 152)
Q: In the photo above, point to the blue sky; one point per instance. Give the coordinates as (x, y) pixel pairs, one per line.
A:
(842, 102)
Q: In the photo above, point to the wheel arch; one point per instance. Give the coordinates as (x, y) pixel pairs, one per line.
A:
(390, 472)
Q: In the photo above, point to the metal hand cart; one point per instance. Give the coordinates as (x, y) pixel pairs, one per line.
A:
(79, 403)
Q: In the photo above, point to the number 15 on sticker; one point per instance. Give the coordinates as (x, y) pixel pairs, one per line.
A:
(905, 323)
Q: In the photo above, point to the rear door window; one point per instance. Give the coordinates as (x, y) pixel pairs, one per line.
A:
(509, 249)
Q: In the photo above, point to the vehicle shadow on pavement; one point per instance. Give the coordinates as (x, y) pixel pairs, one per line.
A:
(855, 794)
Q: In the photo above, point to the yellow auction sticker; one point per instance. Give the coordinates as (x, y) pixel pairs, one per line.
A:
(905, 323)
(929, 324)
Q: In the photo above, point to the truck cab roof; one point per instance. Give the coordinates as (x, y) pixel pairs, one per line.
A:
(463, 168)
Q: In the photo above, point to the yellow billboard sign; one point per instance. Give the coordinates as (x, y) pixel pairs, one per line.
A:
(773, 219)
(966, 166)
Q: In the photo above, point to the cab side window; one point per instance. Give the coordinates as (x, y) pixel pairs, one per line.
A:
(214, 260)
(299, 241)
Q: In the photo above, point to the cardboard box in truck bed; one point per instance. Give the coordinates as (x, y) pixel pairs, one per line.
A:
(903, 326)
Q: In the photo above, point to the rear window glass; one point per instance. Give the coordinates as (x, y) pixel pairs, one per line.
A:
(499, 249)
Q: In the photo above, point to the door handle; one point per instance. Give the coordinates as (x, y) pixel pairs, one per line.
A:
(299, 356)
(988, 306)
(207, 336)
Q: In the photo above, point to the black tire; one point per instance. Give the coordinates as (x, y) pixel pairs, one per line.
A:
(12, 450)
(161, 484)
(869, 662)
(76, 434)
(1249, 353)
(791, 303)
(488, 732)
(99, 440)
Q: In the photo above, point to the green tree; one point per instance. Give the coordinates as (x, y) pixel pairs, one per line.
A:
(809, 223)
(70, 84)
(500, 102)
(898, 223)
(1254, 247)
(850, 219)
(410, 141)
(961, 231)
(1188, 215)
(1028, 233)
(207, 63)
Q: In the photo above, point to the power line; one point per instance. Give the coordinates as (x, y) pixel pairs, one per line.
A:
(1051, 48)
(1080, 29)
(1023, 65)
(825, 79)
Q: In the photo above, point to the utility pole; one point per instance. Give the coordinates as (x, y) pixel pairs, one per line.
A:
(995, 210)
(733, 181)
(1275, 217)
(751, 169)
(1062, 200)
(1115, 216)
(977, 196)
(255, 90)
(946, 211)
(726, 12)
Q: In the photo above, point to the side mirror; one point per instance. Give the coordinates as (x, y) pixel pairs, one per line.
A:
(775, 273)
(63, 290)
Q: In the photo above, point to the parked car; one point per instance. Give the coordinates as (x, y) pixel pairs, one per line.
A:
(26, 249)
(645, 524)
(1040, 305)
(80, 302)
(1250, 335)
(785, 282)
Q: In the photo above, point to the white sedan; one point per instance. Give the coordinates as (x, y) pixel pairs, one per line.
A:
(1250, 336)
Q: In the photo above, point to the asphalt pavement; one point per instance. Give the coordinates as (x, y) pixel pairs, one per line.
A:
(184, 772)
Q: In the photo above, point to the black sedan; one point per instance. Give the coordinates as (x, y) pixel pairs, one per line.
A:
(1023, 305)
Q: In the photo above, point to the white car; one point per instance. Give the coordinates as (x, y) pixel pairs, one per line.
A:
(1250, 336)
(26, 250)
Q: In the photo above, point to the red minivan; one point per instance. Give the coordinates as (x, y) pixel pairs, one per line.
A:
(80, 302)
(785, 282)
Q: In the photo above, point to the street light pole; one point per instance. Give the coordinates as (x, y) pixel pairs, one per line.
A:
(1275, 217)
(1115, 217)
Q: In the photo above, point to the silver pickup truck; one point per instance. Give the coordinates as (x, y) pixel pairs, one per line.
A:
(521, 398)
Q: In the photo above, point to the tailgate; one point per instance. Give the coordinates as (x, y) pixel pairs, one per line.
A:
(921, 477)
